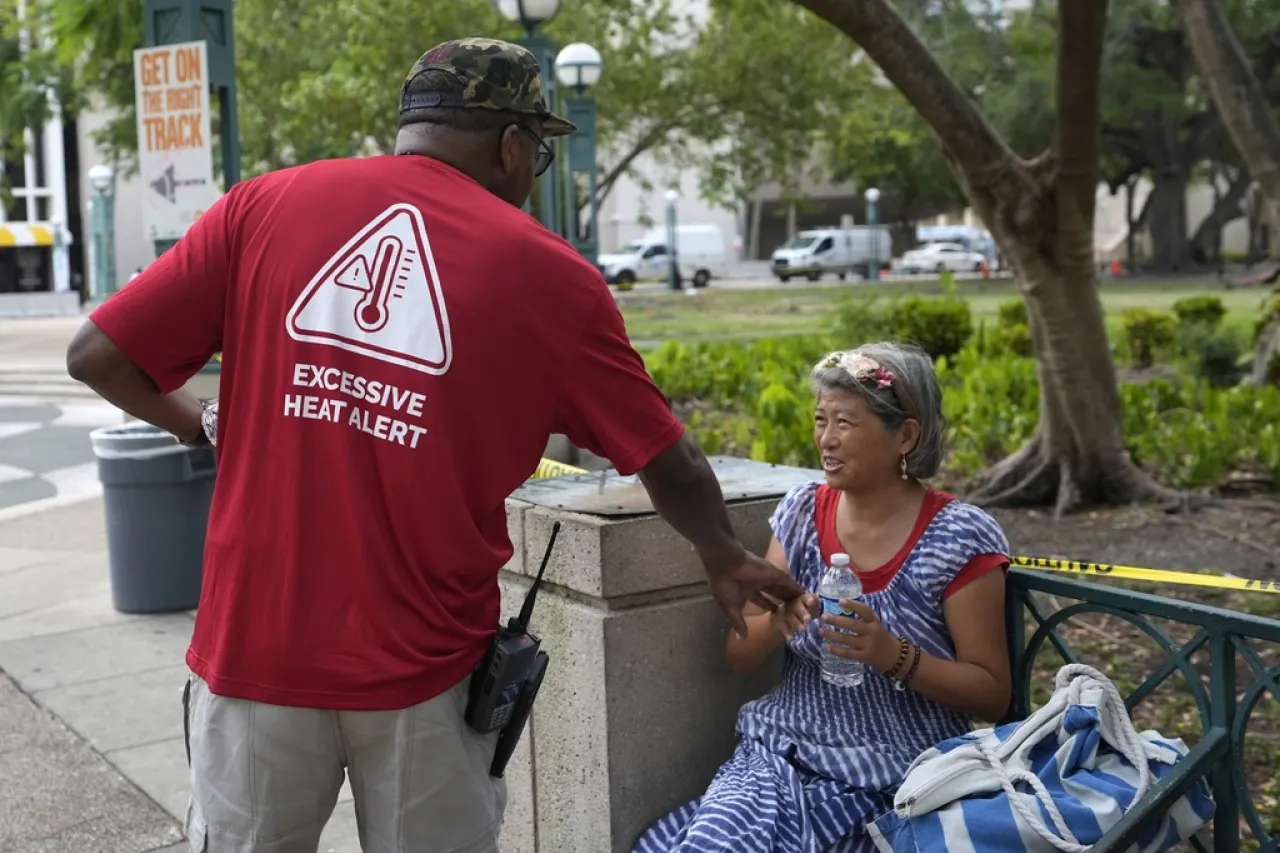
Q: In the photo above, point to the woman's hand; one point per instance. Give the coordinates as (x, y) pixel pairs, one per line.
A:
(866, 641)
(792, 616)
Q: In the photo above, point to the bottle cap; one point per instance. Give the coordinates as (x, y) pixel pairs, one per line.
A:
(840, 560)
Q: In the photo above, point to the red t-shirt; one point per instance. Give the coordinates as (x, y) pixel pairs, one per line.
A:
(876, 579)
(397, 346)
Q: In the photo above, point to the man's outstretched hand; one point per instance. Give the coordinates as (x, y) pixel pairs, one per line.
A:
(755, 580)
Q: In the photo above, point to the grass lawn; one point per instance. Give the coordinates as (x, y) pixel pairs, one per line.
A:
(787, 310)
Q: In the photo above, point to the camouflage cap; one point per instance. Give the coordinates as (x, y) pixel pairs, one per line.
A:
(495, 75)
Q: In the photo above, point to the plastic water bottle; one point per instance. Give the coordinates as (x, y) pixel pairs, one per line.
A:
(839, 581)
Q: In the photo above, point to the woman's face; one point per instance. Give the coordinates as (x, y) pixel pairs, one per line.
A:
(857, 450)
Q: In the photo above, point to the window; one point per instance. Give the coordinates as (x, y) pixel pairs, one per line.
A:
(655, 251)
(825, 245)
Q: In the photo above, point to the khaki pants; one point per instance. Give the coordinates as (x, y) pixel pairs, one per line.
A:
(265, 778)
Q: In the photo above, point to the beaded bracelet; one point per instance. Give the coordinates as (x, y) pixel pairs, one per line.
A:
(911, 673)
(904, 649)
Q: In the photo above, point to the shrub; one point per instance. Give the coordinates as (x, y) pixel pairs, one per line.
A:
(752, 398)
(1013, 312)
(857, 320)
(1013, 339)
(1200, 311)
(940, 326)
(1213, 355)
(1148, 334)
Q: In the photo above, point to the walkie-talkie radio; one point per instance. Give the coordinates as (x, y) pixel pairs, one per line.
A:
(506, 682)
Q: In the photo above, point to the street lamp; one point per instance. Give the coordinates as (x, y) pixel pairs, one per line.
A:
(873, 269)
(673, 276)
(102, 178)
(531, 14)
(578, 68)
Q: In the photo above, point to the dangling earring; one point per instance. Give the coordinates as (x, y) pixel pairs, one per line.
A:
(903, 466)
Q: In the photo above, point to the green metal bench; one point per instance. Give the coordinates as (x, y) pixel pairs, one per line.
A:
(1218, 755)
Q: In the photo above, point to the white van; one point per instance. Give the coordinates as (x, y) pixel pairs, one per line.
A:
(842, 251)
(700, 251)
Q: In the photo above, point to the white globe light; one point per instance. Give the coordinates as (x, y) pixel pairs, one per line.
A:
(873, 195)
(528, 13)
(579, 66)
(101, 176)
(672, 196)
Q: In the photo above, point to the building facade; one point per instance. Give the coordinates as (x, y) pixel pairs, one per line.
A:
(41, 262)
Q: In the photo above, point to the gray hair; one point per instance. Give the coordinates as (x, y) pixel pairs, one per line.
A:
(914, 394)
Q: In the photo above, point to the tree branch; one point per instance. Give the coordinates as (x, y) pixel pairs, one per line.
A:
(650, 139)
(1240, 99)
(976, 149)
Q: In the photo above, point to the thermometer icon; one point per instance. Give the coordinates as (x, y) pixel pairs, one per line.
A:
(371, 311)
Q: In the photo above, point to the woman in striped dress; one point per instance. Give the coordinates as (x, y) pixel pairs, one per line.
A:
(817, 762)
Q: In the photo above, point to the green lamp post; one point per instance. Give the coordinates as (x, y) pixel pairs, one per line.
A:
(873, 269)
(102, 178)
(672, 197)
(531, 14)
(578, 68)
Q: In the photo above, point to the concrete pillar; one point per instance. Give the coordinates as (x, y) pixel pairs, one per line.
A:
(791, 221)
(638, 707)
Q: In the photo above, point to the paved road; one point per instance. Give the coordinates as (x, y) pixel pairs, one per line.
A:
(45, 450)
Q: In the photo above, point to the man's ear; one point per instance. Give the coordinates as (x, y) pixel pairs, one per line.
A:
(509, 148)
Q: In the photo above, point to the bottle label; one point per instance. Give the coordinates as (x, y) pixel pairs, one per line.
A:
(832, 607)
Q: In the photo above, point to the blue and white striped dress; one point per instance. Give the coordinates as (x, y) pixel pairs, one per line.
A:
(815, 762)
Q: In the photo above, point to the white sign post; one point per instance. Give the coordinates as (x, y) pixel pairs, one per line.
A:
(175, 149)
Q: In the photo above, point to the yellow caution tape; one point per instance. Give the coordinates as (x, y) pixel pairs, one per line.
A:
(551, 468)
(1150, 575)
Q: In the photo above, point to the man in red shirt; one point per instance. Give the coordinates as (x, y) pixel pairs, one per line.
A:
(398, 342)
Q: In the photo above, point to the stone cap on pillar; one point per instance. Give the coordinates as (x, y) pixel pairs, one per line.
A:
(612, 543)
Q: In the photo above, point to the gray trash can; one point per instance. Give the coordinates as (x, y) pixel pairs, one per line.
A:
(156, 493)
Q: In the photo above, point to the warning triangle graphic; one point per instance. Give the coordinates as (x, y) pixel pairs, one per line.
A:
(379, 296)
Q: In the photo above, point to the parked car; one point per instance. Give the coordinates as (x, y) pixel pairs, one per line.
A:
(939, 257)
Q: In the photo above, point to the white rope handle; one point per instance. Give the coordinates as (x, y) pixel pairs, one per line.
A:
(1131, 746)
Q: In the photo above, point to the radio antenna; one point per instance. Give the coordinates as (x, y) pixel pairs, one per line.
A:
(526, 612)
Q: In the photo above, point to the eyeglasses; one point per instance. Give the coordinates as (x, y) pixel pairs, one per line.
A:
(545, 153)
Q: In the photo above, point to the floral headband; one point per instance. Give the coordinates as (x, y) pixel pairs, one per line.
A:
(861, 367)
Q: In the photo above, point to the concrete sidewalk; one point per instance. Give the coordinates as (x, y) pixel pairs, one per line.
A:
(91, 750)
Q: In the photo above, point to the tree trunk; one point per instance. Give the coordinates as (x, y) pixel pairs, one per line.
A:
(1129, 222)
(1207, 241)
(1041, 213)
(1239, 97)
(1167, 221)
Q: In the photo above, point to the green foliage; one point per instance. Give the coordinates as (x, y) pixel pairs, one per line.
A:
(941, 326)
(1211, 354)
(1013, 312)
(1269, 314)
(1014, 339)
(1149, 335)
(1202, 310)
(754, 399)
(881, 141)
(991, 404)
(319, 80)
(1011, 334)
